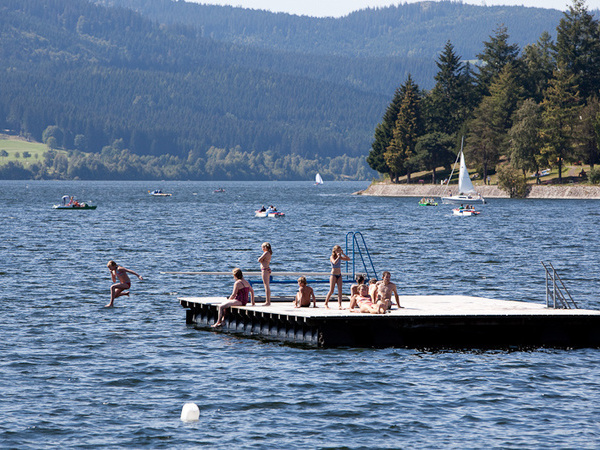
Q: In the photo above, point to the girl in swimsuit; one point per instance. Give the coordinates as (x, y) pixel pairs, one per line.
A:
(239, 296)
(336, 258)
(118, 289)
(365, 303)
(264, 261)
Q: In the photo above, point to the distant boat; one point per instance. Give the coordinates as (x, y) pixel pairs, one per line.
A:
(466, 191)
(268, 212)
(71, 203)
(465, 212)
(318, 179)
(81, 206)
(218, 190)
(159, 193)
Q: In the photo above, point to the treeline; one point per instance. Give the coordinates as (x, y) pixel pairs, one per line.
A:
(405, 31)
(115, 162)
(520, 110)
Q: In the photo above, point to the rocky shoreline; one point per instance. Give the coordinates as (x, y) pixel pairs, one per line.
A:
(565, 191)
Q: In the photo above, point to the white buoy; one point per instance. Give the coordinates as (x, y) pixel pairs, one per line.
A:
(190, 412)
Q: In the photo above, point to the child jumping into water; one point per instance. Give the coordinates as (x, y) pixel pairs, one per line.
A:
(119, 289)
(304, 295)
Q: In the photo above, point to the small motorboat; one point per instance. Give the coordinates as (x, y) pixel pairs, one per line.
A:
(159, 193)
(216, 191)
(269, 212)
(465, 212)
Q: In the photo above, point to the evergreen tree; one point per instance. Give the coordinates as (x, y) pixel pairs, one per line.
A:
(587, 133)
(524, 137)
(434, 150)
(491, 121)
(384, 133)
(578, 48)
(448, 103)
(400, 154)
(539, 63)
(561, 106)
(496, 55)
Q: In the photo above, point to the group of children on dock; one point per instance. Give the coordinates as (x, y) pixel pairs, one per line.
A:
(375, 298)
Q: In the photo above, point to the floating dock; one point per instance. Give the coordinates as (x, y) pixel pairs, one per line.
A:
(424, 321)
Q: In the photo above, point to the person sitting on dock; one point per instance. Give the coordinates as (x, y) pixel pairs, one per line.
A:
(385, 289)
(239, 296)
(360, 279)
(373, 287)
(304, 295)
(336, 258)
(118, 289)
(365, 302)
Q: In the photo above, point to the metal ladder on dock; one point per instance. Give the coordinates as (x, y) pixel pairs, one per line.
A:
(554, 292)
(356, 247)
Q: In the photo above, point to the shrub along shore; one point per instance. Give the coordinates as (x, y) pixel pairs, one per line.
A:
(562, 191)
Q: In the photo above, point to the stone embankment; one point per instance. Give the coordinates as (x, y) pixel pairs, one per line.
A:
(565, 191)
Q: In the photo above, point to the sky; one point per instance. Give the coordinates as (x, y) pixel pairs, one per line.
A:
(338, 8)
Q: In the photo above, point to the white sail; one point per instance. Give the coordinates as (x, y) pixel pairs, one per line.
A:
(465, 186)
(318, 179)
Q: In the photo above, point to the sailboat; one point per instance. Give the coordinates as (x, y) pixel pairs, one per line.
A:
(466, 191)
(318, 179)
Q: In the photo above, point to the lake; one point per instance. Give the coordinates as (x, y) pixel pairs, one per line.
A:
(74, 374)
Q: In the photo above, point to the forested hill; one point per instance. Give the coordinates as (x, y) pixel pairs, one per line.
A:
(108, 76)
(408, 30)
(109, 73)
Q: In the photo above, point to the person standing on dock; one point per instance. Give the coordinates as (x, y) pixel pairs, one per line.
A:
(239, 296)
(265, 269)
(120, 288)
(385, 289)
(336, 258)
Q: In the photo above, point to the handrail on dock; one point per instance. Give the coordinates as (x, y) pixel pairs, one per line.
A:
(555, 292)
(356, 247)
(355, 239)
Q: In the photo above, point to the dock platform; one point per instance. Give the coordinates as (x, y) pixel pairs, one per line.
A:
(424, 321)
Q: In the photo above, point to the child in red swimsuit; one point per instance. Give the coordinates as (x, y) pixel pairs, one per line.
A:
(239, 296)
(120, 288)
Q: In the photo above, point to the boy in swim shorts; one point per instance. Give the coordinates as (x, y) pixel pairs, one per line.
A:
(304, 295)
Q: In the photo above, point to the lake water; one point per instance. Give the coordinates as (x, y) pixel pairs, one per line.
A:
(76, 374)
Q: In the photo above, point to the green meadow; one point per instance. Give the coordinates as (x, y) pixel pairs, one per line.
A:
(25, 152)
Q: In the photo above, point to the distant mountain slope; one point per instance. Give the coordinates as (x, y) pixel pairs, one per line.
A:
(109, 73)
(415, 30)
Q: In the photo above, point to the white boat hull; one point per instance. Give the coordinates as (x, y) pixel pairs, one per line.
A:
(268, 214)
(463, 199)
(464, 212)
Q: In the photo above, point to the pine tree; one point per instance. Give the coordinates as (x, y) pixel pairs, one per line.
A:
(539, 63)
(492, 120)
(496, 55)
(400, 154)
(587, 133)
(384, 133)
(448, 104)
(524, 137)
(561, 108)
(578, 47)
